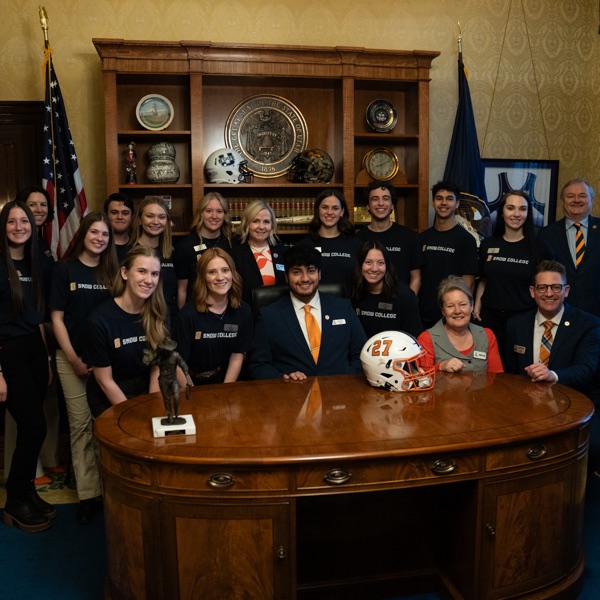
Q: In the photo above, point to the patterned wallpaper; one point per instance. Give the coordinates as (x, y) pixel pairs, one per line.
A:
(534, 65)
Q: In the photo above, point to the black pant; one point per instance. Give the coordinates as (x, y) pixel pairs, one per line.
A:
(24, 363)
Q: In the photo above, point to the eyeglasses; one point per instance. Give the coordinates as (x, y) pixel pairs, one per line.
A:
(542, 288)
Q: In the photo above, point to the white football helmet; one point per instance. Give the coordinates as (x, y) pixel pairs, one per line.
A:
(227, 166)
(391, 360)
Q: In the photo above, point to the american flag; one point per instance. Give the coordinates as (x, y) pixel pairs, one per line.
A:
(61, 177)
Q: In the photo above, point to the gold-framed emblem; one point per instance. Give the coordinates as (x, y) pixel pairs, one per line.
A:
(269, 132)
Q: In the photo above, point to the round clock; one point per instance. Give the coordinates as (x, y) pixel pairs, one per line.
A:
(381, 164)
(382, 116)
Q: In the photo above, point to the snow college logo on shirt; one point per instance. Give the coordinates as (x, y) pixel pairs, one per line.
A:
(130, 340)
(198, 335)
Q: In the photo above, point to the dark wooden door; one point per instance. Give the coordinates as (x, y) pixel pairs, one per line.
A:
(21, 139)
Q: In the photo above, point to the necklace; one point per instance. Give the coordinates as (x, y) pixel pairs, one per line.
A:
(218, 315)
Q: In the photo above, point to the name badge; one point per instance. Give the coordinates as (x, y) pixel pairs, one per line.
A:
(519, 349)
(480, 355)
(230, 327)
(280, 267)
(385, 306)
(493, 250)
(339, 322)
(200, 247)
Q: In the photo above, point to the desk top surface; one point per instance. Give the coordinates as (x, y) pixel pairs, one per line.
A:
(343, 417)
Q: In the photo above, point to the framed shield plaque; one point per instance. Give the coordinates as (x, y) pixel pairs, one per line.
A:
(268, 131)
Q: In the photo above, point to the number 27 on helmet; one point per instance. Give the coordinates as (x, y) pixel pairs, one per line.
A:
(391, 360)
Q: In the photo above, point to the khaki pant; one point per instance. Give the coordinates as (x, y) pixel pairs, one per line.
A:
(83, 450)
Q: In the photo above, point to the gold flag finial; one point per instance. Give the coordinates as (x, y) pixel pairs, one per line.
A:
(44, 23)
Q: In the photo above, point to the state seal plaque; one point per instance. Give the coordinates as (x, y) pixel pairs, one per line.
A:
(268, 131)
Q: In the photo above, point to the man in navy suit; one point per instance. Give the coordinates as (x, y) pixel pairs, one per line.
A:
(281, 338)
(575, 347)
(577, 196)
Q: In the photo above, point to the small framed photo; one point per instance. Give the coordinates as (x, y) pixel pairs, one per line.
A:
(537, 178)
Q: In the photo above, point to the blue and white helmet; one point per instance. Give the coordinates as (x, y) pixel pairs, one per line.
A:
(227, 166)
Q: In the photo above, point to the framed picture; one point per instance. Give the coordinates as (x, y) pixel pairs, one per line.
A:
(537, 178)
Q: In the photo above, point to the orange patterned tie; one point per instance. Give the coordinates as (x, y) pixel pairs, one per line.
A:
(546, 345)
(314, 333)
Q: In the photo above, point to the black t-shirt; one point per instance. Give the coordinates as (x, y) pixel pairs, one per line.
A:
(338, 257)
(507, 268)
(115, 338)
(443, 253)
(377, 314)
(401, 242)
(76, 292)
(29, 321)
(189, 249)
(206, 341)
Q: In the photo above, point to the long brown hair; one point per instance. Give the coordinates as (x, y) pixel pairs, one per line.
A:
(234, 296)
(390, 279)
(154, 311)
(31, 254)
(108, 266)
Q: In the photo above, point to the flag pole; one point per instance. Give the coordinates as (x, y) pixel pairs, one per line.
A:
(44, 24)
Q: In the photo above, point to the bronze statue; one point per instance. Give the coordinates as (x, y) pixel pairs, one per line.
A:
(168, 360)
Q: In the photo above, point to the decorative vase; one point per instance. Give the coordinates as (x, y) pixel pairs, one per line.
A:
(162, 167)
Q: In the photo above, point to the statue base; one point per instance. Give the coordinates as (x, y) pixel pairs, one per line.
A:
(183, 425)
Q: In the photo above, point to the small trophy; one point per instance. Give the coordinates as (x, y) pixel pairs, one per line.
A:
(168, 360)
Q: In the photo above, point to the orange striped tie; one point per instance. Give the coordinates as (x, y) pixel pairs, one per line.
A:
(314, 332)
(579, 243)
(546, 345)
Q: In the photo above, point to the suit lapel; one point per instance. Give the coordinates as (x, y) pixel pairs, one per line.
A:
(250, 260)
(561, 333)
(563, 241)
(291, 322)
(592, 239)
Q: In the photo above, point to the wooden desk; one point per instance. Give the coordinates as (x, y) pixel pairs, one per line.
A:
(475, 489)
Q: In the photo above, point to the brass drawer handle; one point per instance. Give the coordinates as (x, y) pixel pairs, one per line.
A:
(443, 466)
(221, 481)
(537, 452)
(337, 476)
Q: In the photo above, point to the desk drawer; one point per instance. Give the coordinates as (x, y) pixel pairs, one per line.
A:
(384, 473)
(223, 479)
(533, 452)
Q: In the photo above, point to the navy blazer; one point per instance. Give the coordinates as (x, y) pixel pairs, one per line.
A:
(246, 266)
(575, 348)
(585, 279)
(281, 348)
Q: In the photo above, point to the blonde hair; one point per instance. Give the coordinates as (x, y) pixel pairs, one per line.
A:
(234, 296)
(198, 220)
(165, 241)
(250, 213)
(154, 311)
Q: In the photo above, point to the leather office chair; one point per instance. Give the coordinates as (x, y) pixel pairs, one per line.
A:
(267, 294)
